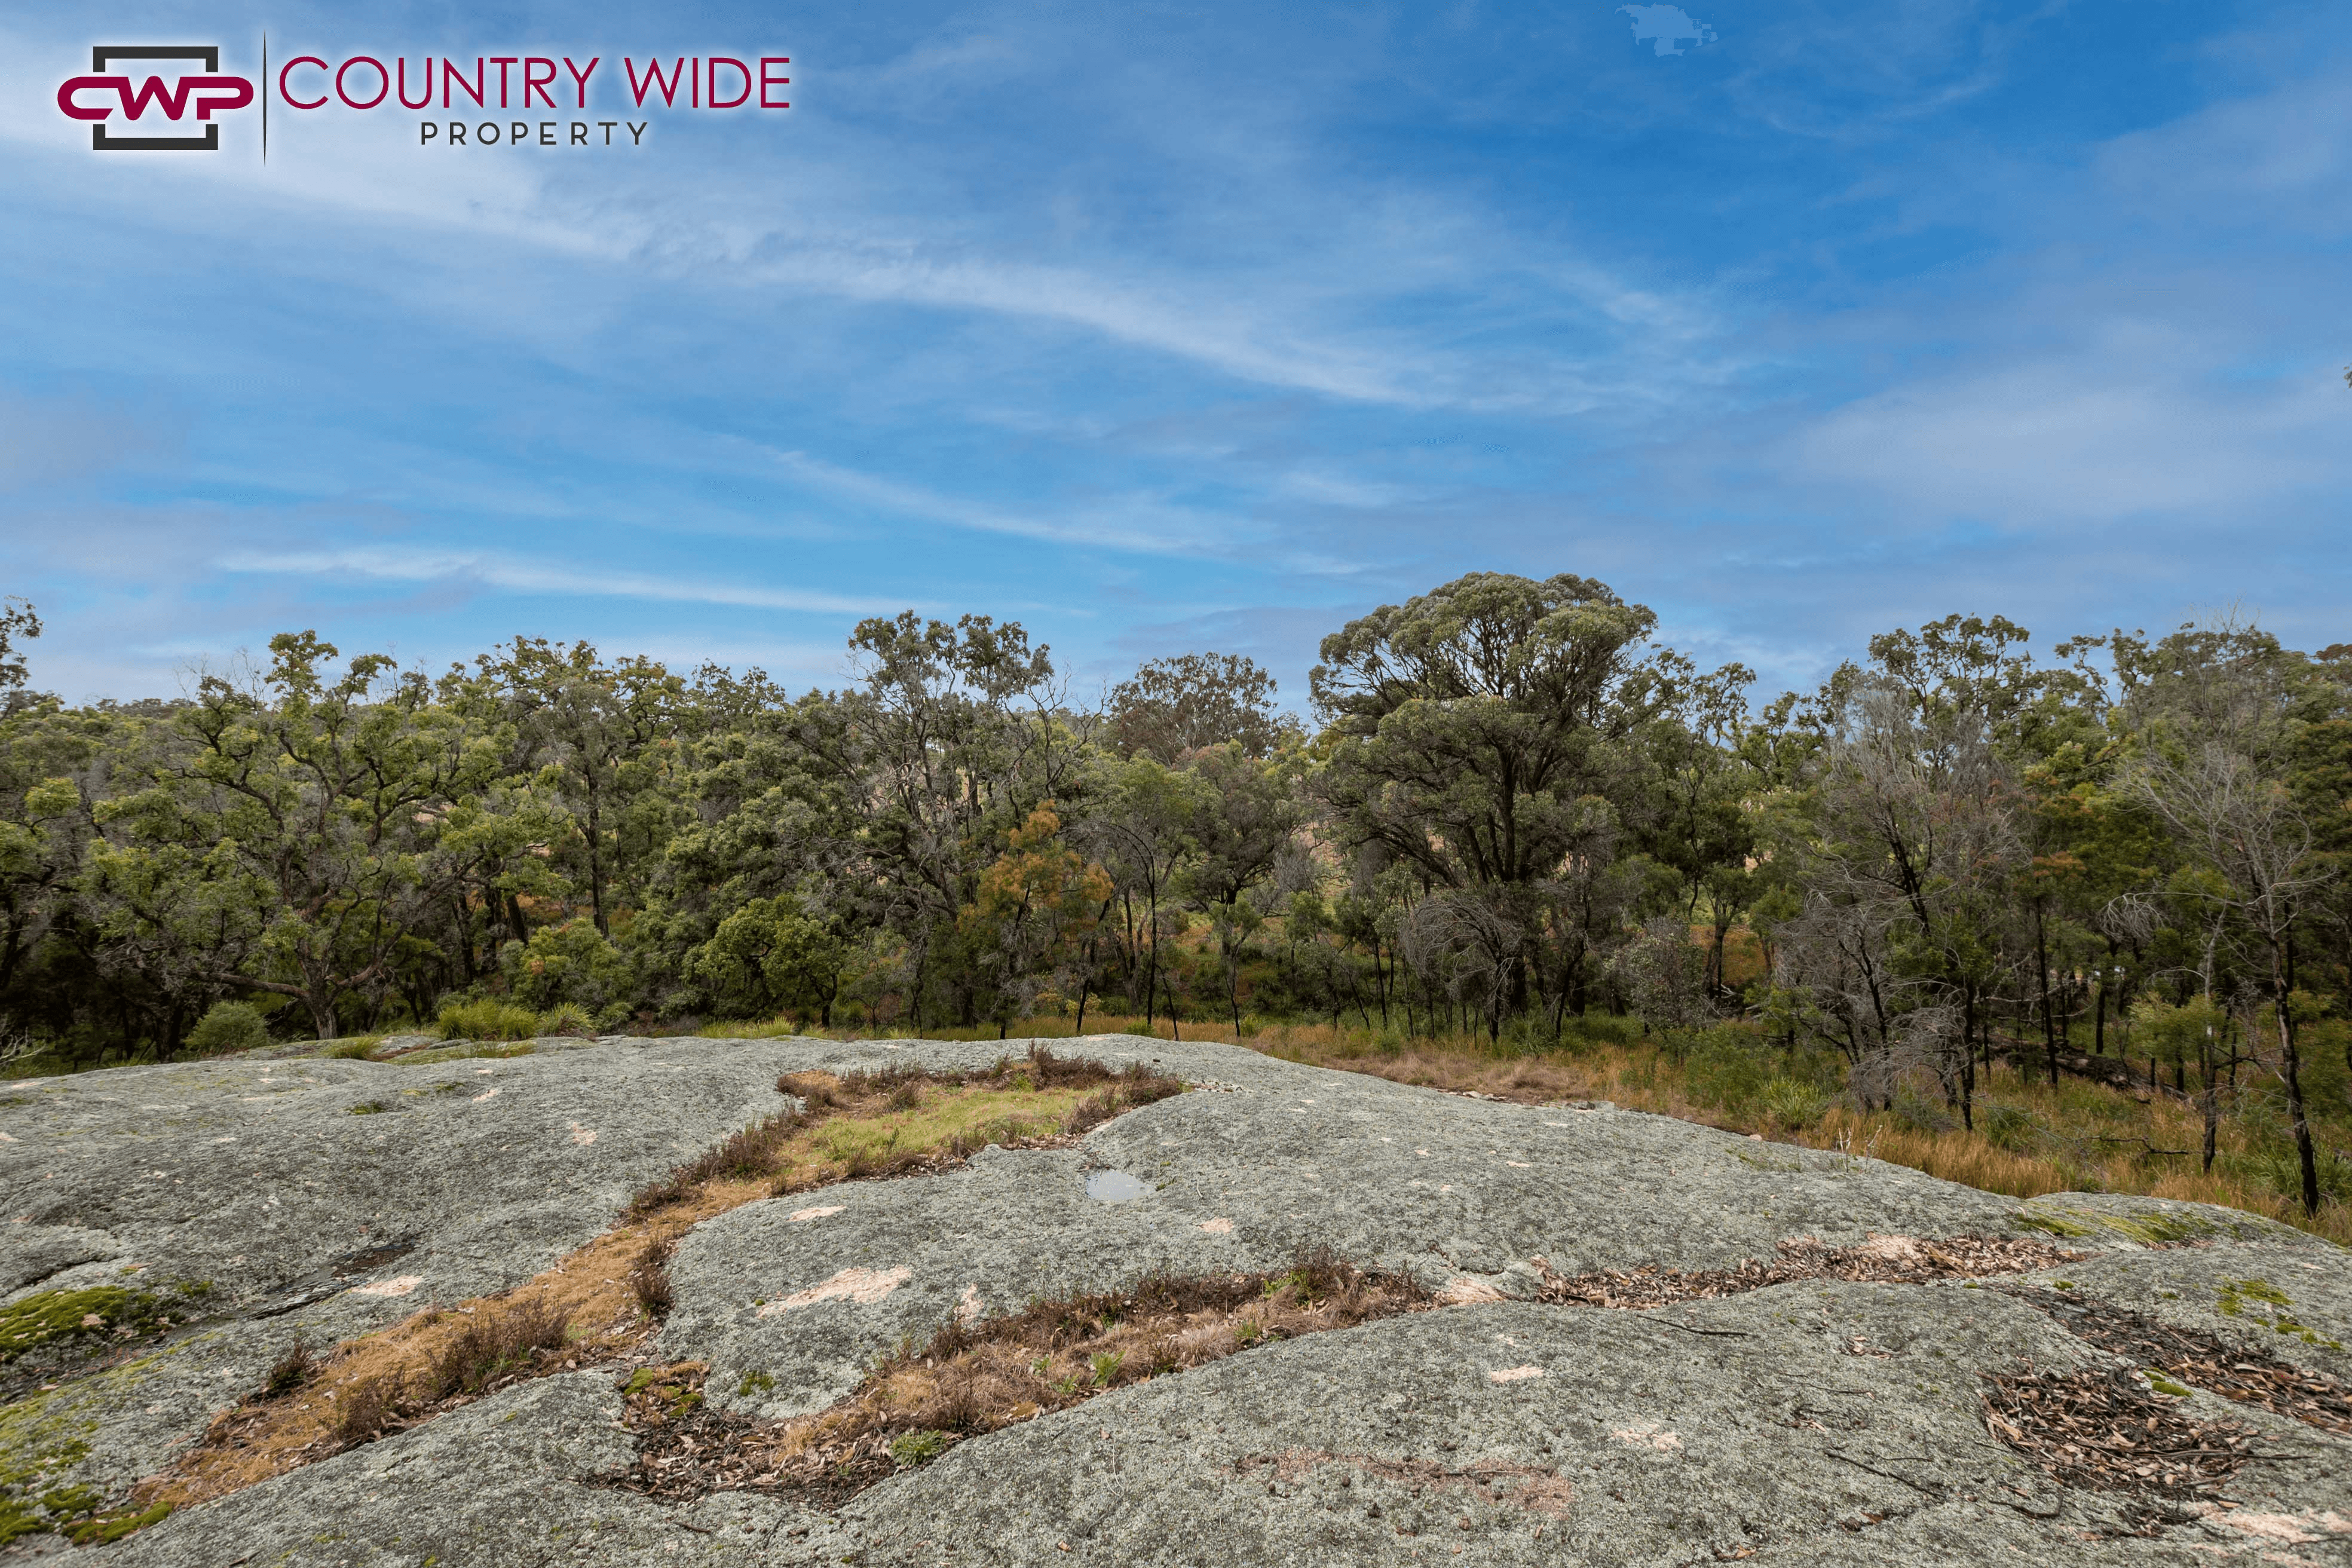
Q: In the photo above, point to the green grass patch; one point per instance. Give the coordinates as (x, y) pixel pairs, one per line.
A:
(917, 1449)
(903, 1119)
(487, 1020)
(937, 1119)
(355, 1047)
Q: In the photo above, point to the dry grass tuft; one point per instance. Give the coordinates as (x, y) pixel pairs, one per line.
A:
(649, 1278)
(290, 1370)
(499, 1344)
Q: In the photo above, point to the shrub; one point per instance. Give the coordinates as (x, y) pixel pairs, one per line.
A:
(2280, 1168)
(567, 963)
(1727, 1068)
(499, 1340)
(366, 1410)
(770, 955)
(1603, 1028)
(487, 1019)
(228, 1026)
(567, 1018)
(1794, 1104)
(1921, 1114)
(649, 1278)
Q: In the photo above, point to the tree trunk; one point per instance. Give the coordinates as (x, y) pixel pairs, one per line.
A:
(596, 862)
(2282, 988)
(2212, 1098)
(1151, 976)
(1967, 1059)
(2099, 1011)
(2041, 973)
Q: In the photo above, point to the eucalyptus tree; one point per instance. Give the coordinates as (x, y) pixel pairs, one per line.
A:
(19, 624)
(2213, 704)
(1247, 812)
(760, 816)
(1908, 852)
(609, 733)
(954, 736)
(1467, 729)
(1140, 824)
(1172, 707)
(307, 830)
(1032, 917)
(1696, 788)
(774, 953)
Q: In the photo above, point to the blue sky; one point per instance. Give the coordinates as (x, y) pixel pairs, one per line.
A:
(1164, 327)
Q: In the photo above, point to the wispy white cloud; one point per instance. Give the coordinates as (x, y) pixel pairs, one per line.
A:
(2276, 160)
(1169, 532)
(521, 576)
(1336, 313)
(2086, 438)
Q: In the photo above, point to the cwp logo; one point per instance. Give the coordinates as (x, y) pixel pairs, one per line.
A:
(97, 97)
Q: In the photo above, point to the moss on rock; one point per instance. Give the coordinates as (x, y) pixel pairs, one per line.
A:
(61, 1314)
(40, 1442)
(2269, 1306)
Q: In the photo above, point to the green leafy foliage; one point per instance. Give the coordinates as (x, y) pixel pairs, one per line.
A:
(1514, 814)
(228, 1026)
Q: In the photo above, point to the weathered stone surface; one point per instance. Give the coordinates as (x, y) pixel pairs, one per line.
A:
(496, 1482)
(1633, 1442)
(256, 1177)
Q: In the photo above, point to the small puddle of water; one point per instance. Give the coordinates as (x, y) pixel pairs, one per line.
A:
(1113, 1187)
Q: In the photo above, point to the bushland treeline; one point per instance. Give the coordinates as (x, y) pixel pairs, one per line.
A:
(1513, 805)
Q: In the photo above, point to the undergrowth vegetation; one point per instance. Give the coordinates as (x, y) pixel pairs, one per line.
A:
(2029, 1137)
(2022, 1136)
